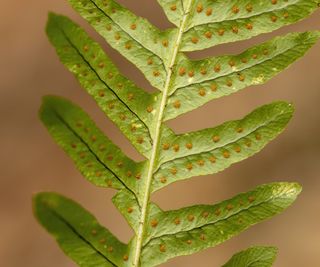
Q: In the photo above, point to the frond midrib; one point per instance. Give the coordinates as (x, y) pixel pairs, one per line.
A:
(159, 121)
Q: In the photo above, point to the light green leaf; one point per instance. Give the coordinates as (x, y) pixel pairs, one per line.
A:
(127, 204)
(253, 257)
(123, 102)
(216, 77)
(239, 20)
(173, 9)
(184, 85)
(127, 33)
(97, 158)
(212, 150)
(78, 233)
(192, 229)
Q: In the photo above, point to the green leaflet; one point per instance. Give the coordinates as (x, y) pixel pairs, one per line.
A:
(127, 204)
(78, 233)
(174, 10)
(124, 103)
(98, 159)
(253, 257)
(126, 33)
(183, 85)
(220, 76)
(240, 20)
(130, 209)
(189, 230)
(212, 150)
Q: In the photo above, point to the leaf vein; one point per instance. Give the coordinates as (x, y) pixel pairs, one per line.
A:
(100, 79)
(140, 43)
(94, 154)
(56, 214)
(238, 70)
(216, 221)
(265, 124)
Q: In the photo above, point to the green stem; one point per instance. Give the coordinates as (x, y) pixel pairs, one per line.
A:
(155, 148)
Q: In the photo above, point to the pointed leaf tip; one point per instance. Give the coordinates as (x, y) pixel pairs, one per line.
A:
(52, 20)
(296, 189)
(253, 257)
(212, 150)
(203, 226)
(241, 21)
(227, 74)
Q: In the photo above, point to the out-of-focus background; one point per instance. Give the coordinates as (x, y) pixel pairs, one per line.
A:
(30, 162)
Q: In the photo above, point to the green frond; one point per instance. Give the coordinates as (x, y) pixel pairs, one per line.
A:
(183, 85)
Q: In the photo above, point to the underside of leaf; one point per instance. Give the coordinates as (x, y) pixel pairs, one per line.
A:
(182, 85)
(201, 227)
(253, 257)
(78, 233)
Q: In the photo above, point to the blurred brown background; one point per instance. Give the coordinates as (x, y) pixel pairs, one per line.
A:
(31, 162)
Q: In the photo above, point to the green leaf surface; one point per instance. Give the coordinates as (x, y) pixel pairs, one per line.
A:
(127, 204)
(174, 10)
(127, 33)
(78, 233)
(122, 101)
(253, 257)
(216, 77)
(239, 20)
(212, 150)
(192, 229)
(98, 159)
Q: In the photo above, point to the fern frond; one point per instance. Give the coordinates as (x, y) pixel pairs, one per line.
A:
(183, 85)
